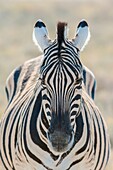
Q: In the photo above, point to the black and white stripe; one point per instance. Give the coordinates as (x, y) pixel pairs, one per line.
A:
(51, 121)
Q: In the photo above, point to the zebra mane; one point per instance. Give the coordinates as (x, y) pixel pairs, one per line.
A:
(61, 32)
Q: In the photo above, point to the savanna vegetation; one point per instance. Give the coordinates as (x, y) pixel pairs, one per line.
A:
(17, 18)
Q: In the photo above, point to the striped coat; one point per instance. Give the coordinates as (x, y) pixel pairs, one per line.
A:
(48, 129)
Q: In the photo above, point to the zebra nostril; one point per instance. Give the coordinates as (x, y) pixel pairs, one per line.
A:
(69, 131)
(50, 130)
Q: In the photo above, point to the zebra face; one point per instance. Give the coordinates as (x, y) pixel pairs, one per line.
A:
(61, 91)
(61, 82)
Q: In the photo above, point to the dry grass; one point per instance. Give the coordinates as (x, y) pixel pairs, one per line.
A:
(16, 46)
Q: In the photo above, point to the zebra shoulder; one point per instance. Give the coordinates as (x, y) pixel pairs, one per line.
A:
(19, 78)
(11, 83)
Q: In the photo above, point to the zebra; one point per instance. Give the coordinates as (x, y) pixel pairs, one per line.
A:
(51, 121)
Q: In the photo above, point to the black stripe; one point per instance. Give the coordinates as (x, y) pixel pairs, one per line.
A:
(10, 133)
(74, 106)
(104, 142)
(31, 155)
(44, 120)
(21, 137)
(84, 76)
(3, 162)
(48, 50)
(7, 94)
(33, 124)
(99, 141)
(28, 72)
(79, 128)
(88, 134)
(16, 77)
(49, 59)
(95, 139)
(4, 136)
(93, 90)
(77, 97)
(75, 162)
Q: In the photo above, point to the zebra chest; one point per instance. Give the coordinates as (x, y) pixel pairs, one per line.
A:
(32, 152)
(44, 161)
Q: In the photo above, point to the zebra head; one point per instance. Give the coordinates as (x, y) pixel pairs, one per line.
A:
(61, 82)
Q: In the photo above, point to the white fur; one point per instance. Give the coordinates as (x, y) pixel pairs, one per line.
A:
(82, 37)
(40, 37)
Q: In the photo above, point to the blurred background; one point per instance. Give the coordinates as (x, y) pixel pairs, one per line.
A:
(17, 18)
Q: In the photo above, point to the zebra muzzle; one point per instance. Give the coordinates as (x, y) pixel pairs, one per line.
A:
(60, 141)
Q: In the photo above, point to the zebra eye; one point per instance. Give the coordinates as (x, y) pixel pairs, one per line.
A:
(78, 81)
(42, 81)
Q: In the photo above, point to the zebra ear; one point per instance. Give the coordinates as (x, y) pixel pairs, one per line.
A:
(82, 35)
(40, 35)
